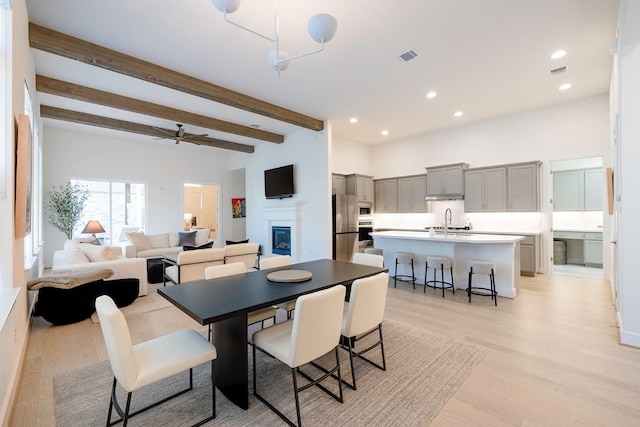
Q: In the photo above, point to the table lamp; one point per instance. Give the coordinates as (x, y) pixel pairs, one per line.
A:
(93, 227)
(187, 221)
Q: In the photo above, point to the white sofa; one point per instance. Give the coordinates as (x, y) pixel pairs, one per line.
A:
(78, 256)
(190, 265)
(141, 245)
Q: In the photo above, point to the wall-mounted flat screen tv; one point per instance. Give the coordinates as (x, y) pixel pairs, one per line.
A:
(278, 182)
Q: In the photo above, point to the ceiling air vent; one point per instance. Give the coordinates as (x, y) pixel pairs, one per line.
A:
(557, 71)
(407, 56)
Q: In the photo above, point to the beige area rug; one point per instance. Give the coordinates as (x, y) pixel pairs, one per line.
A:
(423, 372)
(150, 302)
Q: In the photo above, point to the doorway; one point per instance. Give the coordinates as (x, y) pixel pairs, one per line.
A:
(577, 200)
(201, 208)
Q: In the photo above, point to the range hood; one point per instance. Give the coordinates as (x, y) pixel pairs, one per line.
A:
(438, 197)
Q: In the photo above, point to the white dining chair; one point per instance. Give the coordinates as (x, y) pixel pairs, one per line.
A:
(233, 269)
(368, 259)
(275, 262)
(314, 332)
(136, 366)
(362, 317)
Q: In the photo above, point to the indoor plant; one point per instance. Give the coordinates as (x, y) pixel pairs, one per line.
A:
(65, 206)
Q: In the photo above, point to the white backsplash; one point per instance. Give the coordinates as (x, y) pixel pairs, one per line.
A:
(588, 220)
(501, 221)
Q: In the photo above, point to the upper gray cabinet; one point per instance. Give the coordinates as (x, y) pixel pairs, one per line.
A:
(485, 190)
(446, 180)
(578, 190)
(411, 193)
(386, 195)
(338, 184)
(361, 186)
(523, 187)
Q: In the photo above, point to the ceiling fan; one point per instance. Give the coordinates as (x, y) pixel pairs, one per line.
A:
(179, 135)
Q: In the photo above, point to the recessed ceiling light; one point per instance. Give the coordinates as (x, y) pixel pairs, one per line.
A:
(558, 54)
(385, 132)
(353, 120)
(457, 113)
(431, 95)
(565, 86)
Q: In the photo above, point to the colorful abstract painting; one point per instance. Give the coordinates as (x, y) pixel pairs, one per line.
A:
(239, 208)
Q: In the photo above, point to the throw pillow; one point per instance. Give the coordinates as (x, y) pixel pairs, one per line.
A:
(231, 242)
(187, 238)
(158, 240)
(98, 253)
(193, 248)
(202, 236)
(138, 239)
(75, 256)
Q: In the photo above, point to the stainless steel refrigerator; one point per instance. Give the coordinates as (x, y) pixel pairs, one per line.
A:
(345, 226)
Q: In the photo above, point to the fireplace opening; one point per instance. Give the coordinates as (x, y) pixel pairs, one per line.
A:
(281, 240)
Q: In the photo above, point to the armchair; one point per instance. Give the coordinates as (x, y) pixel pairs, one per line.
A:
(190, 265)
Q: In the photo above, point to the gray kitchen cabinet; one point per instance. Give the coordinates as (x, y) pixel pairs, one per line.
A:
(578, 190)
(523, 187)
(386, 195)
(485, 190)
(568, 191)
(593, 189)
(529, 260)
(361, 186)
(446, 180)
(338, 184)
(411, 193)
(593, 249)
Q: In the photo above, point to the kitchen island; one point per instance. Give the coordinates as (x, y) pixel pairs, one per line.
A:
(504, 250)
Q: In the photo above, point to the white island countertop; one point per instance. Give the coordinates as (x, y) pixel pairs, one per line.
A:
(453, 237)
(503, 249)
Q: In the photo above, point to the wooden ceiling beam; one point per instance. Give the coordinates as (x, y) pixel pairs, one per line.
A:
(122, 125)
(95, 96)
(51, 41)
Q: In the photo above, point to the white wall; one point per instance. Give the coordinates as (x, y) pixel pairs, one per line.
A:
(349, 157)
(163, 168)
(629, 204)
(13, 269)
(309, 152)
(238, 190)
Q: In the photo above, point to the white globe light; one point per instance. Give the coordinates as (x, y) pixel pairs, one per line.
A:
(228, 6)
(281, 55)
(322, 27)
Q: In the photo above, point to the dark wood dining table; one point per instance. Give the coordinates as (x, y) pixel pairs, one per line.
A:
(225, 302)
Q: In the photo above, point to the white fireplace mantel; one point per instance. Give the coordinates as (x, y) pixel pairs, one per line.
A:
(280, 213)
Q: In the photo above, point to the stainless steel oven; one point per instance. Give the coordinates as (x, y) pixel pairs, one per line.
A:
(365, 226)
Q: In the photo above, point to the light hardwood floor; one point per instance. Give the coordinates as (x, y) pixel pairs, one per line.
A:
(554, 357)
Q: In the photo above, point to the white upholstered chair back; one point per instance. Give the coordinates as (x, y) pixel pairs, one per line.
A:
(316, 326)
(193, 263)
(274, 262)
(366, 305)
(225, 270)
(118, 341)
(243, 252)
(368, 259)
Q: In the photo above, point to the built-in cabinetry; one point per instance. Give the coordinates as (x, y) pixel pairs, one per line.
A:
(361, 186)
(529, 259)
(485, 190)
(386, 195)
(505, 188)
(411, 193)
(338, 184)
(446, 181)
(583, 248)
(578, 190)
(404, 194)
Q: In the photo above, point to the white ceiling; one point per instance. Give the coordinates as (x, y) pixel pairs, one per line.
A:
(487, 58)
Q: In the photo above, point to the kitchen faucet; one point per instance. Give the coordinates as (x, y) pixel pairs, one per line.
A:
(446, 226)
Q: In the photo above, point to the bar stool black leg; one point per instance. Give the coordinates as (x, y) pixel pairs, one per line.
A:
(442, 278)
(413, 275)
(494, 294)
(426, 272)
(453, 287)
(469, 288)
(395, 277)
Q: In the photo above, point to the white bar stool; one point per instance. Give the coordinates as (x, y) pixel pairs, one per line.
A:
(374, 251)
(404, 258)
(441, 262)
(478, 266)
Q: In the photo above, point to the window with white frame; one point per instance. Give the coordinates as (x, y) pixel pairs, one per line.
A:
(118, 206)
